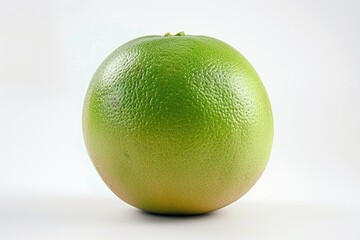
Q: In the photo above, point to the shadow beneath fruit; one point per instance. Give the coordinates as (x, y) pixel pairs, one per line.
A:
(173, 217)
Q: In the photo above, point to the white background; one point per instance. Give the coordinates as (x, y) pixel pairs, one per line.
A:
(307, 54)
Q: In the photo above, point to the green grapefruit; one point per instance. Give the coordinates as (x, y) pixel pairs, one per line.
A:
(177, 124)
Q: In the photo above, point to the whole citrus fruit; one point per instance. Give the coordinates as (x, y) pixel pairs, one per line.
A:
(177, 124)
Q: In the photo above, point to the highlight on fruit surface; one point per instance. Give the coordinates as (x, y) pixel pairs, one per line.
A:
(177, 124)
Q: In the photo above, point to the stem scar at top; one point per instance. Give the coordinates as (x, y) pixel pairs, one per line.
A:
(178, 34)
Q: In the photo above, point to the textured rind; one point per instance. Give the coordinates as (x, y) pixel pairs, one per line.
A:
(177, 124)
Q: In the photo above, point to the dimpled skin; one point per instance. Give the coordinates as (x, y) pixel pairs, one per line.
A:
(177, 124)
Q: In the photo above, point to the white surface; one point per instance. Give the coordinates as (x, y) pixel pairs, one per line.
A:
(307, 54)
(95, 218)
